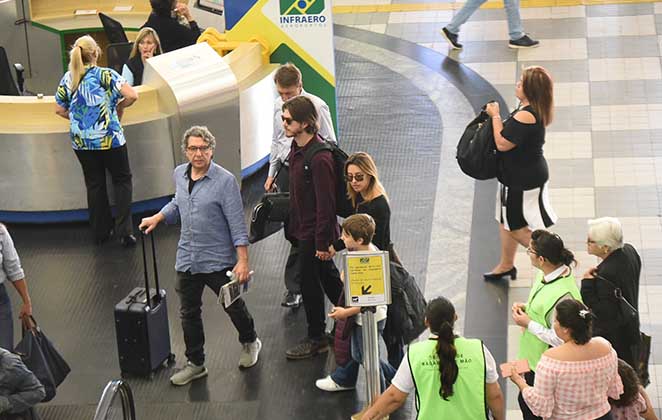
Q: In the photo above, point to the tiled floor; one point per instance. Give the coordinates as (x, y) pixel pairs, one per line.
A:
(604, 147)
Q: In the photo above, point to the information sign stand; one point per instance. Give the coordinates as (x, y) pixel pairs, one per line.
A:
(368, 284)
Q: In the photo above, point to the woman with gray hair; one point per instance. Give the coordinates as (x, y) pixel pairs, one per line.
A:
(620, 268)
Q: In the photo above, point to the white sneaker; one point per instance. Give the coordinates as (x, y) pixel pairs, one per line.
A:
(188, 374)
(250, 353)
(328, 384)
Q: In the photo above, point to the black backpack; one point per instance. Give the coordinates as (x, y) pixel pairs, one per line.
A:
(406, 314)
(476, 150)
(343, 203)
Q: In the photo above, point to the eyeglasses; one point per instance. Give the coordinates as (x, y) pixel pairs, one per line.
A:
(286, 120)
(531, 251)
(195, 149)
(589, 241)
(357, 177)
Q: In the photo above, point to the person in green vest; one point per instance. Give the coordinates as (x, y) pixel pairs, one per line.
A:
(453, 377)
(553, 283)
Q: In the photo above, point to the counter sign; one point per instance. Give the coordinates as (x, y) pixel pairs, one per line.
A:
(367, 278)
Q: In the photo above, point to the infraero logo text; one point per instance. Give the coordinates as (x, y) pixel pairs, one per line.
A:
(302, 12)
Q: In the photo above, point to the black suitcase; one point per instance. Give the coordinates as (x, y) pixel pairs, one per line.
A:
(141, 324)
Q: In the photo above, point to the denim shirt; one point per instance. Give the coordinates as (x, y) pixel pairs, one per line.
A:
(212, 219)
(19, 388)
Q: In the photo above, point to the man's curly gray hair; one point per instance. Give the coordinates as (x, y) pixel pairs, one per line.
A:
(199, 131)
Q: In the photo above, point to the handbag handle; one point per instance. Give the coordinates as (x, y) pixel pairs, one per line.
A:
(28, 323)
(618, 293)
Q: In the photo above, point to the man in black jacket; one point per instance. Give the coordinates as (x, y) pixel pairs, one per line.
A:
(174, 23)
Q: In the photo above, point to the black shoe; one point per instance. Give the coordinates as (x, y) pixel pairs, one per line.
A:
(104, 238)
(451, 38)
(292, 300)
(512, 273)
(523, 42)
(307, 348)
(128, 241)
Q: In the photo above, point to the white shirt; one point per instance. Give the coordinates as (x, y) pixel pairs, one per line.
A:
(548, 335)
(280, 145)
(404, 380)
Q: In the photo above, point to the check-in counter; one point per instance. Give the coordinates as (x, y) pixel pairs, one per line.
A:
(232, 95)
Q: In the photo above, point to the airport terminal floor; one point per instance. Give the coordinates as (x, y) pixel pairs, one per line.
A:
(404, 98)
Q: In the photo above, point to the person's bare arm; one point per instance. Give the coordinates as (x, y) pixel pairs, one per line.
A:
(495, 401)
(387, 403)
(62, 111)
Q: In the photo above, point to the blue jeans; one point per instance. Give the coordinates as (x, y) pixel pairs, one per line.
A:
(6, 321)
(515, 29)
(348, 374)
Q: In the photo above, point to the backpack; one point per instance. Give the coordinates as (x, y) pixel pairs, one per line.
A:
(406, 314)
(476, 150)
(344, 206)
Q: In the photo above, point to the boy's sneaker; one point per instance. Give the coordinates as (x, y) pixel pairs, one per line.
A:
(451, 38)
(523, 42)
(328, 384)
(188, 374)
(250, 353)
(292, 300)
(307, 348)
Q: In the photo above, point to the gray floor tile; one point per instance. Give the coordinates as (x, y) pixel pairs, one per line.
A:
(572, 230)
(557, 28)
(485, 52)
(415, 32)
(379, 18)
(362, 19)
(619, 10)
(344, 18)
(628, 201)
(630, 143)
(572, 172)
(562, 71)
(571, 118)
(617, 92)
(623, 47)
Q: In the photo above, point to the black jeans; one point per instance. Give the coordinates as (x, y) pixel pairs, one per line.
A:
(529, 377)
(317, 278)
(94, 164)
(189, 288)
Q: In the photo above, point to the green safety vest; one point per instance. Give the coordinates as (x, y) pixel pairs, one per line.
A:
(468, 400)
(542, 299)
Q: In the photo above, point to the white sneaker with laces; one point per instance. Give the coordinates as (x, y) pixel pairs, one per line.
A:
(250, 353)
(188, 374)
(328, 384)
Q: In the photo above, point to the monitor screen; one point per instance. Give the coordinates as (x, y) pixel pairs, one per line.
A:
(214, 6)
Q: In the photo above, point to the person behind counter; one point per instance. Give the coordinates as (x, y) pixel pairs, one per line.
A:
(147, 45)
(174, 24)
(93, 99)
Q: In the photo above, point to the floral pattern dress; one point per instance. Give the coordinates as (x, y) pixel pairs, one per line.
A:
(92, 109)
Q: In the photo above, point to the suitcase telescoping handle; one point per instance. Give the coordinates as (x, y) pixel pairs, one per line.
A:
(157, 298)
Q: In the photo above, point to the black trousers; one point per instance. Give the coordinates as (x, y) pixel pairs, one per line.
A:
(292, 275)
(94, 164)
(317, 278)
(529, 377)
(189, 288)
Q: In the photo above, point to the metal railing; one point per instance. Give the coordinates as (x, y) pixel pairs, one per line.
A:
(116, 402)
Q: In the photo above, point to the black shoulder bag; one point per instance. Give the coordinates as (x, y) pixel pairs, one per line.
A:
(627, 313)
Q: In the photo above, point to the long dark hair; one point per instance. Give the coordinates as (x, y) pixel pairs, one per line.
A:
(575, 316)
(550, 246)
(539, 90)
(630, 385)
(440, 314)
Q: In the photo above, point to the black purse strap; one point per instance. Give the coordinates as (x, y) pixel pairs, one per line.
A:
(618, 293)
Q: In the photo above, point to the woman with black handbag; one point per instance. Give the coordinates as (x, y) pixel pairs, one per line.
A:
(522, 203)
(617, 275)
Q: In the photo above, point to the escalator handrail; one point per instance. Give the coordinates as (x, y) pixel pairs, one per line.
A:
(112, 389)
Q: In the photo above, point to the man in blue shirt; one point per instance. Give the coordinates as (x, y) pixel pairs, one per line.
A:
(213, 241)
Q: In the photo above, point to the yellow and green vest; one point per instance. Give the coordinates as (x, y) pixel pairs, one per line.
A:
(468, 400)
(543, 297)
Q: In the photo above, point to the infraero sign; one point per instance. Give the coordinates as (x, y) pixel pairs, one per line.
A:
(302, 12)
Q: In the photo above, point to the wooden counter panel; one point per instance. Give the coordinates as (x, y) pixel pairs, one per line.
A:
(69, 22)
(44, 8)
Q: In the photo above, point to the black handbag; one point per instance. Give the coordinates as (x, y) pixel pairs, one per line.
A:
(476, 151)
(270, 214)
(627, 313)
(643, 357)
(41, 357)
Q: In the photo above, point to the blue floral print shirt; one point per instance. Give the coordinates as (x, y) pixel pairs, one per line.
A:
(92, 109)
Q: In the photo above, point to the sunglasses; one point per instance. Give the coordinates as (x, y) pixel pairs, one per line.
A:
(357, 177)
(286, 120)
(195, 149)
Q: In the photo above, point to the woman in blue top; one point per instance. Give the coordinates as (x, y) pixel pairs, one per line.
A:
(93, 99)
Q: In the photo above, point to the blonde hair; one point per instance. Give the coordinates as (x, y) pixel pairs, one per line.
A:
(606, 231)
(145, 32)
(85, 51)
(539, 90)
(367, 165)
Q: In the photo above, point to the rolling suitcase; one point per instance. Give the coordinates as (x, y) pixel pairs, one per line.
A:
(141, 324)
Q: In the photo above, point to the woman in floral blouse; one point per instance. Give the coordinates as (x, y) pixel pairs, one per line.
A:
(93, 99)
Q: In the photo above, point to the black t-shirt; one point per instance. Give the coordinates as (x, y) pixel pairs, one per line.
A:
(523, 167)
(380, 211)
(172, 34)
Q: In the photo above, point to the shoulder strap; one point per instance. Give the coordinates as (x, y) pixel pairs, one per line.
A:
(310, 153)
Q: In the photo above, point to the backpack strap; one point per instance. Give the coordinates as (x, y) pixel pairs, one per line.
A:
(308, 156)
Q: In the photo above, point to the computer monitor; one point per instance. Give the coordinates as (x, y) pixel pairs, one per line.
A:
(213, 6)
